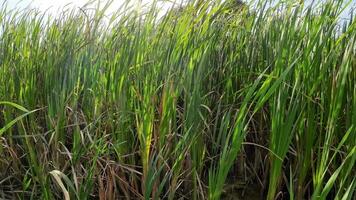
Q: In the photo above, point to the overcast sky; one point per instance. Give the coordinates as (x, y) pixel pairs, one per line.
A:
(54, 6)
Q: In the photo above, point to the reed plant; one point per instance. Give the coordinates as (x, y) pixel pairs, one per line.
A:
(209, 100)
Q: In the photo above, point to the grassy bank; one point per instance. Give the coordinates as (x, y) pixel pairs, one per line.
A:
(211, 100)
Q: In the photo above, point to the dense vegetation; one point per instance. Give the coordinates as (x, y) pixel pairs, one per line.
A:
(212, 100)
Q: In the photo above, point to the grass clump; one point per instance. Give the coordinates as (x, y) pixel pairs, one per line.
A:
(211, 100)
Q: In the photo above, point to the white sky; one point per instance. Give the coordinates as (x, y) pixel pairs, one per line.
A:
(55, 6)
(44, 4)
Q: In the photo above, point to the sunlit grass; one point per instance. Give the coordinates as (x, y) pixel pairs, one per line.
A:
(212, 100)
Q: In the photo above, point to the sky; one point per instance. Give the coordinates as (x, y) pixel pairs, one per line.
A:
(55, 6)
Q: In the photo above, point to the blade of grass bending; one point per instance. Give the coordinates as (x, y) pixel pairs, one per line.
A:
(58, 176)
(11, 123)
(14, 105)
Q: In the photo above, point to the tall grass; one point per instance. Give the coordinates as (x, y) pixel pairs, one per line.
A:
(211, 100)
